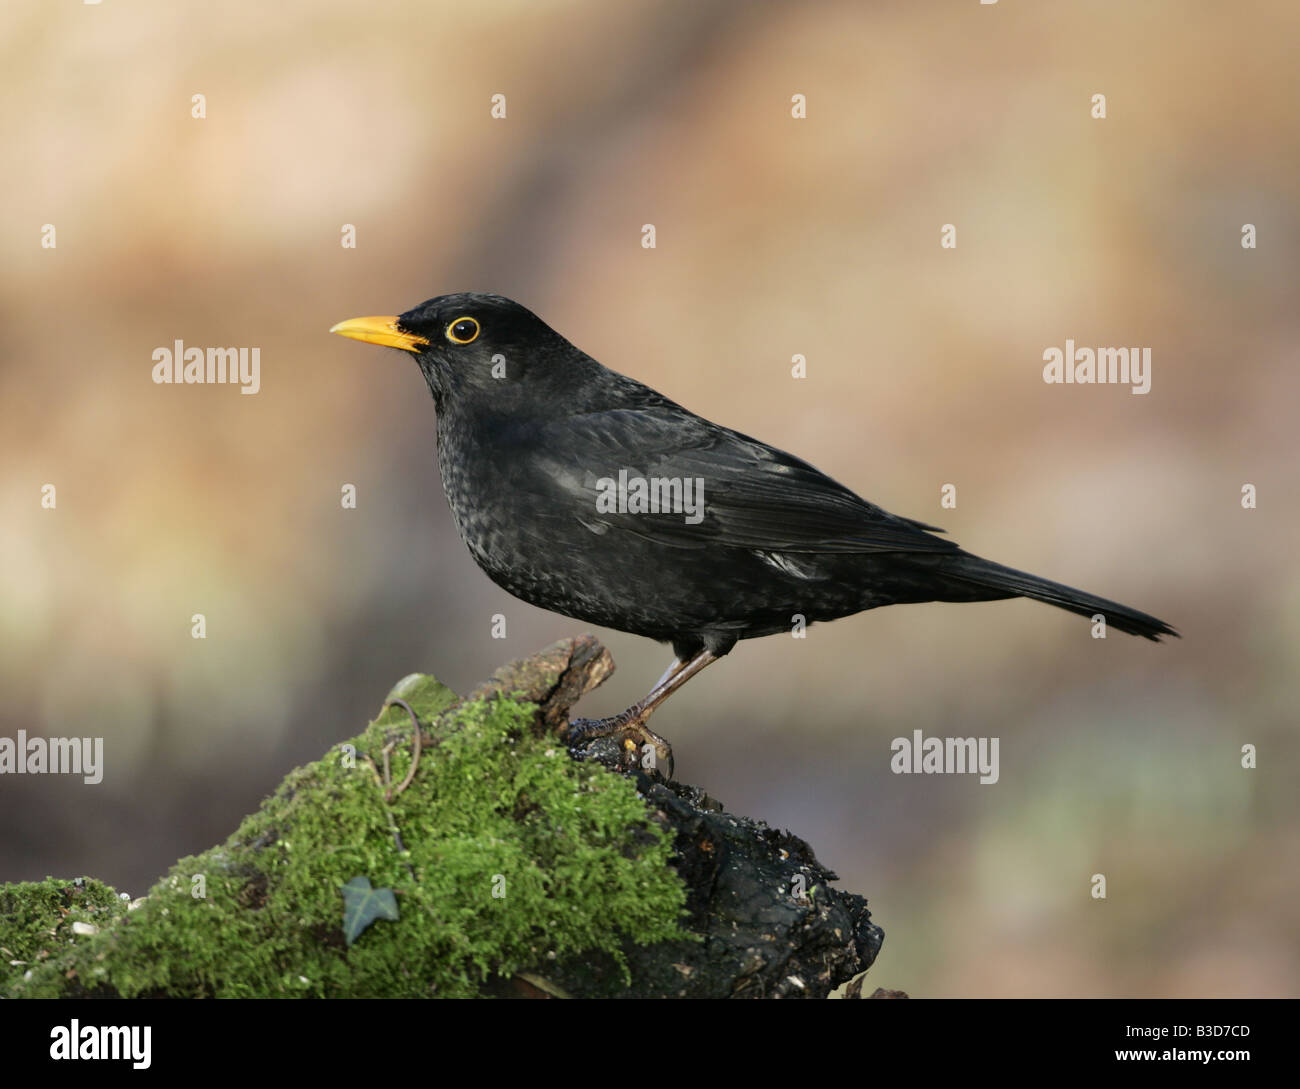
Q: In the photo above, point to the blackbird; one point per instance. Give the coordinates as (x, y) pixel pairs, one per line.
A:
(585, 492)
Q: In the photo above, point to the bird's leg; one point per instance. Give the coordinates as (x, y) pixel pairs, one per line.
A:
(677, 666)
(632, 722)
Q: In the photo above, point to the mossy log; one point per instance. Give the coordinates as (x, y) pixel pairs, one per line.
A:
(477, 857)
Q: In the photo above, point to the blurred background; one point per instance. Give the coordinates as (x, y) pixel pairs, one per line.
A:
(775, 237)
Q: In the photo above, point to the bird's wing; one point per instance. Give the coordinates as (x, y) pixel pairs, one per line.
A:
(754, 495)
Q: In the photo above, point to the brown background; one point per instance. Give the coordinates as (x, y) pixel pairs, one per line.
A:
(775, 237)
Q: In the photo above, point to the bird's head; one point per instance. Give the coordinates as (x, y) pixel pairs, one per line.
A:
(470, 343)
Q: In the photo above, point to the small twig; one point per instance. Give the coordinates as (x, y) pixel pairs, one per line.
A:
(397, 842)
(384, 781)
(415, 753)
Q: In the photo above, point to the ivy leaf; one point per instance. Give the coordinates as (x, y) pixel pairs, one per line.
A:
(362, 905)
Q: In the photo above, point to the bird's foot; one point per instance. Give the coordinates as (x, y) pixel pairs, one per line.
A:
(632, 744)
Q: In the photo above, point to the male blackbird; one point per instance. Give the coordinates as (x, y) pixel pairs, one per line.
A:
(582, 491)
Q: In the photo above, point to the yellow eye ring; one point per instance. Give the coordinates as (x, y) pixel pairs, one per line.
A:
(463, 330)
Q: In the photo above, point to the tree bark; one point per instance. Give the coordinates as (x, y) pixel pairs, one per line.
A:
(731, 907)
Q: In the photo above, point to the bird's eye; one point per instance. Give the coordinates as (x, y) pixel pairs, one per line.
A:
(462, 330)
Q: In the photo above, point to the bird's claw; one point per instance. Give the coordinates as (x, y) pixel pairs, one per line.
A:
(637, 745)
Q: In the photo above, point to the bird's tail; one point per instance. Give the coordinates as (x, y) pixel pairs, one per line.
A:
(974, 571)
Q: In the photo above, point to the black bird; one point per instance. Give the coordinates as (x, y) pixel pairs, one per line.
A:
(585, 492)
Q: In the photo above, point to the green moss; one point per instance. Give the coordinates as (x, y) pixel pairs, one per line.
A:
(37, 917)
(513, 855)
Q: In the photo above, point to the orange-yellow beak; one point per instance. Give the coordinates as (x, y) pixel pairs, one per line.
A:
(379, 331)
